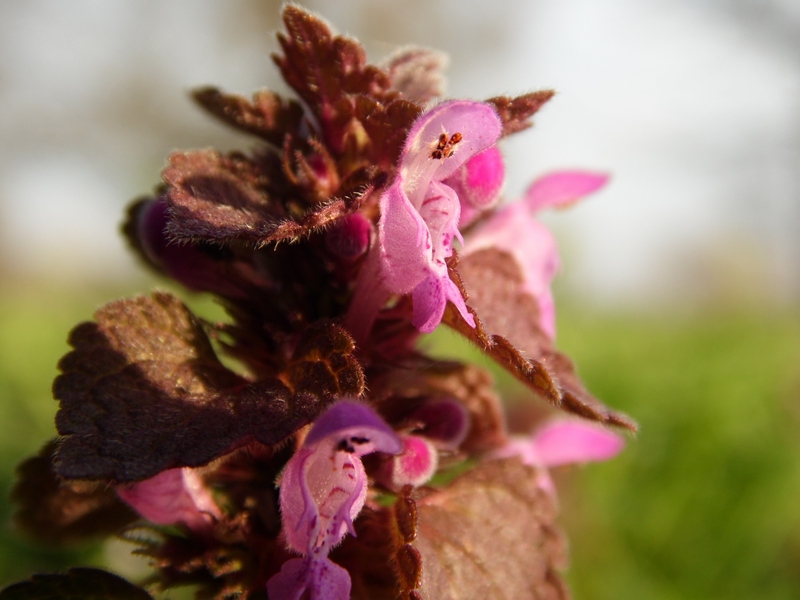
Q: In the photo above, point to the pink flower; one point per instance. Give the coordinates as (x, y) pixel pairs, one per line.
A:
(420, 212)
(563, 442)
(478, 183)
(516, 230)
(173, 496)
(436, 425)
(323, 489)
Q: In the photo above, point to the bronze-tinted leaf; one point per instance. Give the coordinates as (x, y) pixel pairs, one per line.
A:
(492, 280)
(323, 215)
(369, 557)
(323, 363)
(225, 199)
(56, 511)
(143, 391)
(516, 112)
(417, 73)
(218, 198)
(490, 535)
(386, 126)
(324, 68)
(76, 584)
(268, 115)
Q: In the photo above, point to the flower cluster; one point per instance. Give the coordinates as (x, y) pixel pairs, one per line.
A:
(336, 459)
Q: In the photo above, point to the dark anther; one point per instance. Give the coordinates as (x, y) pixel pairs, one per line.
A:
(345, 446)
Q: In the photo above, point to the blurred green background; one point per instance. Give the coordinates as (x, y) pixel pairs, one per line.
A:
(703, 503)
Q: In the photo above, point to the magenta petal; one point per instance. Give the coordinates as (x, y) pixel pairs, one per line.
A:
(353, 419)
(445, 422)
(479, 181)
(477, 122)
(292, 580)
(405, 242)
(562, 187)
(172, 496)
(566, 442)
(416, 464)
(420, 213)
(324, 486)
(429, 304)
(320, 579)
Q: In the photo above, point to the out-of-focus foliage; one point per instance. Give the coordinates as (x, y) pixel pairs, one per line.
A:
(702, 504)
(33, 327)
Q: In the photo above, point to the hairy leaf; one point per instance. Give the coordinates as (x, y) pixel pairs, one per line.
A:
(417, 73)
(492, 280)
(386, 126)
(218, 198)
(490, 534)
(322, 67)
(268, 115)
(516, 112)
(76, 584)
(56, 511)
(143, 392)
(224, 199)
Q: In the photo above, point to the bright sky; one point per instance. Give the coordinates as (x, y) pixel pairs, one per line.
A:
(693, 114)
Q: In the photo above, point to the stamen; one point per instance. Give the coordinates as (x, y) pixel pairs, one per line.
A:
(445, 146)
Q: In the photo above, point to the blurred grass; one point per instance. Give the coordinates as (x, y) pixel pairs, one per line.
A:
(704, 503)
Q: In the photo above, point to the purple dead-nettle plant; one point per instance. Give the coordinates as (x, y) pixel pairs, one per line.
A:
(337, 460)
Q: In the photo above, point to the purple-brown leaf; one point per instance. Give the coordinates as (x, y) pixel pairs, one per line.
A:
(268, 116)
(386, 126)
(516, 112)
(143, 392)
(490, 535)
(224, 199)
(57, 511)
(218, 198)
(507, 328)
(417, 73)
(76, 584)
(324, 69)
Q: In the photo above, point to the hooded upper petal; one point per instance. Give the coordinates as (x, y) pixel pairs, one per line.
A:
(324, 485)
(323, 489)
(420, 214)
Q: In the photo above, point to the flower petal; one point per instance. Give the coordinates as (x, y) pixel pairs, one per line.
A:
(567, 442)
(416, 464)
(478, 183)
(476, 122)
(323, 486)
(516, 231)
(562, 187)
(320, 579)
(445, 422)
(347, 419)
(173, 496)
(404, 241)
